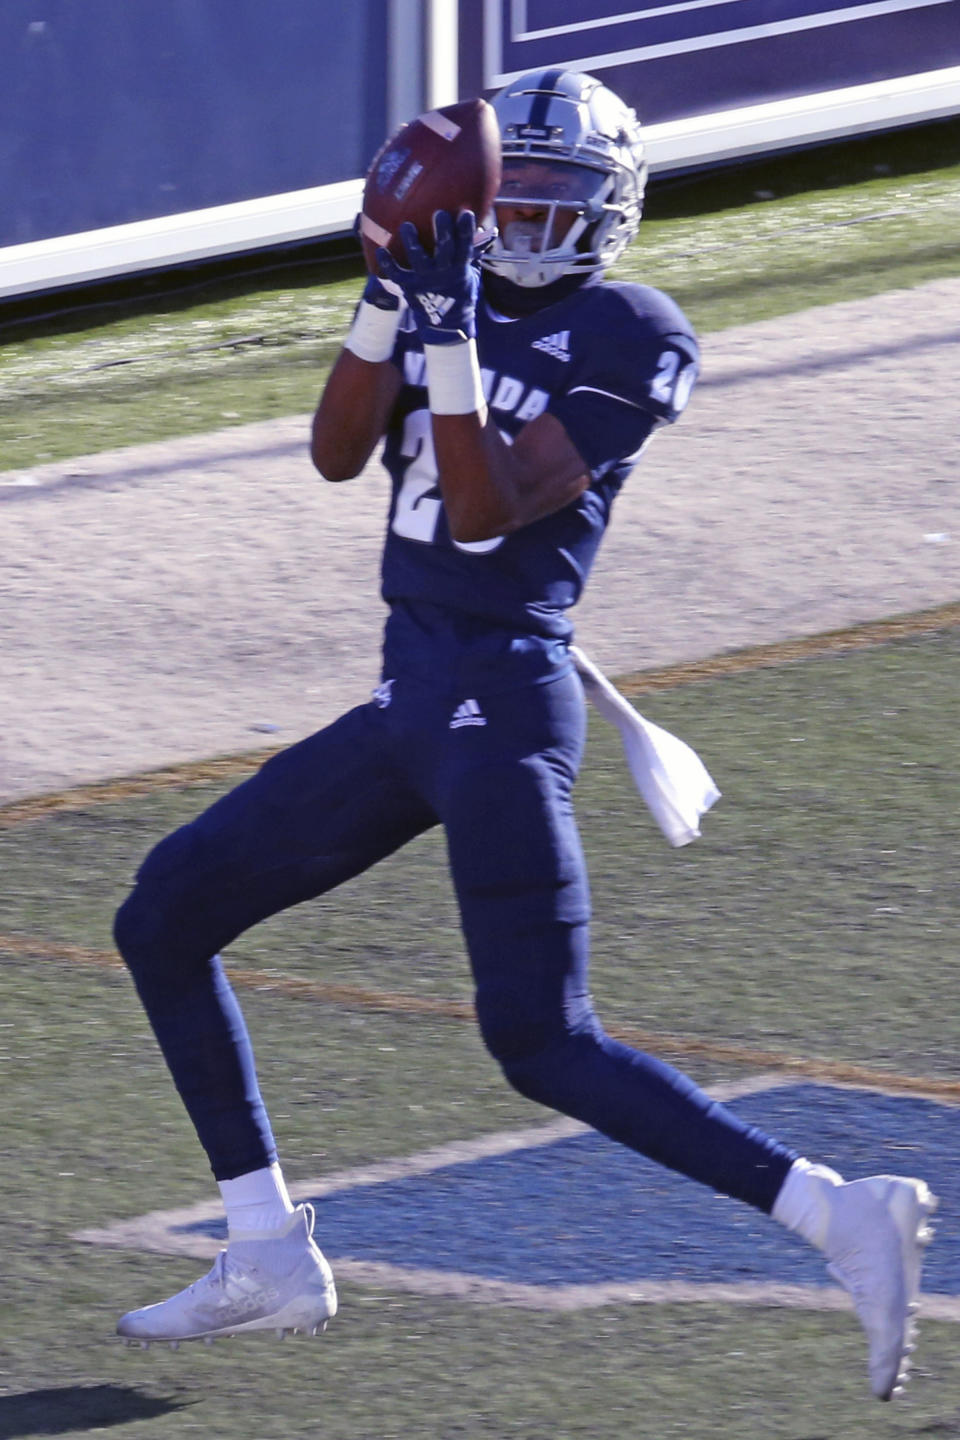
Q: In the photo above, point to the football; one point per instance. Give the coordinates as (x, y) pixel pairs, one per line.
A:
(447, 159)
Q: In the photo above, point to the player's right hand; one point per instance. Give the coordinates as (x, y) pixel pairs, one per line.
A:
(382, 293)
(441, 288)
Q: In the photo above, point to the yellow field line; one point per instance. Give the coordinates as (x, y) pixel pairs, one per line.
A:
(756, 657)
(103, 792)
(781, 652)
(358, 997)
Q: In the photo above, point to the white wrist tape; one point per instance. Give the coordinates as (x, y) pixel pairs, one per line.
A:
(373, 333)
(453, 379)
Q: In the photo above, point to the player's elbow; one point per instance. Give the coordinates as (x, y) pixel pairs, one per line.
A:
(329, 469)
(331, 458)
(470, 525)
(477, 511)
(468, 534)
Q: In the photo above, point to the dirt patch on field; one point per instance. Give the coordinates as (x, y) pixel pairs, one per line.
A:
(204, 596)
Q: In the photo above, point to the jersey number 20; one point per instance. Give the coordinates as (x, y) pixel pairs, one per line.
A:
(673, 380)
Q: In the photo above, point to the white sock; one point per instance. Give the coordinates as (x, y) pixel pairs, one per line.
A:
(803, 1204)
(258, 1201)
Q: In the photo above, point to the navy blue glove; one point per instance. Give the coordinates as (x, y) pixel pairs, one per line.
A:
(441, 289)
(376, 293)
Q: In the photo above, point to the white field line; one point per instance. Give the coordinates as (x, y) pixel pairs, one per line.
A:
(477, 1290)
(156, 1229)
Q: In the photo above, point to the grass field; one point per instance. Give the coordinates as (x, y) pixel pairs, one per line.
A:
(813, 925)
(844, 223)
(813, 920)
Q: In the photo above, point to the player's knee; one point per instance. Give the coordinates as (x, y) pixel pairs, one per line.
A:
(510, 1034)
(145, 926)
(549, 1076)
(141, 930)
(537, 1046)
(131, 930)
(533, 1078)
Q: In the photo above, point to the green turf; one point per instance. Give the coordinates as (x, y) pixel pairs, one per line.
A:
(186, 368)
(392, 1366)
(830, 856)
(815, 915)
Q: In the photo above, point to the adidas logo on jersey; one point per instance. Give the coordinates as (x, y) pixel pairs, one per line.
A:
(436, 306)
(382, 695)
(469, 713)
(557, 345)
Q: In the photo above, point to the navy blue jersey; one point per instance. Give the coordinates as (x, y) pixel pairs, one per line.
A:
(611, 362)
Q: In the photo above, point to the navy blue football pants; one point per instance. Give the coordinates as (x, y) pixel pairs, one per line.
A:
(331, 806)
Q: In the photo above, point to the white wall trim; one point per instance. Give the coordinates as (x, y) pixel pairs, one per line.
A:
(70, 260)
(174, 239)
(803, 120)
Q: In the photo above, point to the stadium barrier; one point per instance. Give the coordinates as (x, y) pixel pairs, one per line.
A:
(110, 170)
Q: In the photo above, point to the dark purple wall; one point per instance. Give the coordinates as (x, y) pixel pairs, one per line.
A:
(702, 76)
(116, 110)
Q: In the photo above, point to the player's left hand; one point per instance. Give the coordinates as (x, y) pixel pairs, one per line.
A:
(441, 289)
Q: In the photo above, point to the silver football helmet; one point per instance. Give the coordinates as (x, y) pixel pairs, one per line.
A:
(573, 157)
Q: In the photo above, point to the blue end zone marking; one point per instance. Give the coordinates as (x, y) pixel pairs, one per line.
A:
(585, 1211)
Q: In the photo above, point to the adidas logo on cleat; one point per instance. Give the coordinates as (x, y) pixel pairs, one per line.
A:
(557, 345)
(280, 1282)
(469, 713)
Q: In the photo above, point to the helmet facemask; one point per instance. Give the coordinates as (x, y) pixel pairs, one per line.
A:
(550, 215)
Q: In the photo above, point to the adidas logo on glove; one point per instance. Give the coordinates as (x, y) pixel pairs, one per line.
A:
(436, 306)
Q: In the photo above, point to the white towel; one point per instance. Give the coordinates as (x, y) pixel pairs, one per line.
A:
(670, 776)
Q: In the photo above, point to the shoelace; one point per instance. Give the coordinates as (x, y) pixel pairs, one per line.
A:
(218, 1275)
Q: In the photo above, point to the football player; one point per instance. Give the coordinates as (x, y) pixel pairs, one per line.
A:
(514, 388)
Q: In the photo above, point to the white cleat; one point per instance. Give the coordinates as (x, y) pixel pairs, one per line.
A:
(279, 1283)
(874, 1246)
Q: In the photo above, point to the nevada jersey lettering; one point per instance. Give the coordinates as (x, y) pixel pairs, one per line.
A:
(612, 362)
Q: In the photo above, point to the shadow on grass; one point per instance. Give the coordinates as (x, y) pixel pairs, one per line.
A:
(70, 1409)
